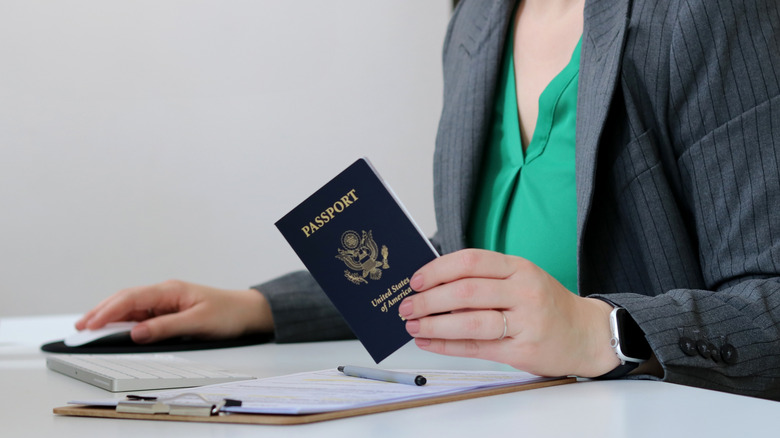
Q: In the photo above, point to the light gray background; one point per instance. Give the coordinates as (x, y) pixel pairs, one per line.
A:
(156, 139)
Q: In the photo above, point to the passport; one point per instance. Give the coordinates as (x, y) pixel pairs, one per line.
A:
(362, 247)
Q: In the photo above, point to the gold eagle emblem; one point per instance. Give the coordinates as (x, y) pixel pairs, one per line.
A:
(361, 255)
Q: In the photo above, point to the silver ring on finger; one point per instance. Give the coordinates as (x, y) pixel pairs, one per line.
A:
(503, 334)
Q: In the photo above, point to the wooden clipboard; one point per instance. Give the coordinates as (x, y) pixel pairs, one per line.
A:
(280, 419)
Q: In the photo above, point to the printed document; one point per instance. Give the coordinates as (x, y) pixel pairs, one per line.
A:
(330, 390)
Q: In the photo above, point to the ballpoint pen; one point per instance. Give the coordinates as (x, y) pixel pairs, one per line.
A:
(383, 375)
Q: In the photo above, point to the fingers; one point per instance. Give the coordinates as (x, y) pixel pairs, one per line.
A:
(478, 325)
(493, 350)
(81, 324)
(91, 321)
(471, 293)
(467, 263)
(135, 304)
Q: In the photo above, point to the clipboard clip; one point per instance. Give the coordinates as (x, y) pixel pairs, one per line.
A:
(188, 404)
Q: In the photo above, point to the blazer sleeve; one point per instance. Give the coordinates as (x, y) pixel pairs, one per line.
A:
(724, 114)
(301, 310)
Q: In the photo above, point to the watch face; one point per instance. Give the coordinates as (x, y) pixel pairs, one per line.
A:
(632, 339)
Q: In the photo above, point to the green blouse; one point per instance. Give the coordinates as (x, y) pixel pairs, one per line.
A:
(526, 203)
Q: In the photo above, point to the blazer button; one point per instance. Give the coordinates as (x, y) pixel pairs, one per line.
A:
(714, 354)
(729, 354)
(704, 349)
(687, 346)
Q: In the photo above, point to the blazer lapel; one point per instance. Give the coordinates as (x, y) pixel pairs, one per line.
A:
(602, 47)
(465, 124)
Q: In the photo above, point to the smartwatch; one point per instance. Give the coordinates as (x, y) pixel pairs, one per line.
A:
(629, 342)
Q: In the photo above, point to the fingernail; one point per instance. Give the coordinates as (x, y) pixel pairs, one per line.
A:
(406, 308)
(422, 342)
(416, 282)
(140, 334)
(413, 327)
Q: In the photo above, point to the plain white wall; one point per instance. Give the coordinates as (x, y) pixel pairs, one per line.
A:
(154, 139)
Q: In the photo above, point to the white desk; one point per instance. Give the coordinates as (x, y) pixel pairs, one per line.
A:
(584, 409)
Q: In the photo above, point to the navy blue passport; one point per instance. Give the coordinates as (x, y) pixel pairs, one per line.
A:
(362, 247)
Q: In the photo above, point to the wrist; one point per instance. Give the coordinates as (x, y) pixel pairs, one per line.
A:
(255, 312)
(602, 357)
(628, 341)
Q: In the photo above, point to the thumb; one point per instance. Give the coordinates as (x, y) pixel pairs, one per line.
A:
(163, 327)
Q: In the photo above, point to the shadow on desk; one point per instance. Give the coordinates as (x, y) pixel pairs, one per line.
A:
(125, 345)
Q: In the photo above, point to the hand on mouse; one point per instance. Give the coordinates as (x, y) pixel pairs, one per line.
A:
(177, 308)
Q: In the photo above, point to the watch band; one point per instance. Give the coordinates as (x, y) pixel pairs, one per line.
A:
(619, 371)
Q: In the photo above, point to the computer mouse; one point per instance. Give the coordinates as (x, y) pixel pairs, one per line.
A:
(111, 332)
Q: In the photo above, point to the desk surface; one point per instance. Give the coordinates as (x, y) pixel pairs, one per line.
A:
(584, 409)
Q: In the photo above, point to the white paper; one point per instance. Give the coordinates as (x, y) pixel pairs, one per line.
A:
(330, 390)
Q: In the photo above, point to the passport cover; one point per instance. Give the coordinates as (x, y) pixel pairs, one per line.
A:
(362, 247)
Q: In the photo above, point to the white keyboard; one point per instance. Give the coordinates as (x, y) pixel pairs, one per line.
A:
(137, 372)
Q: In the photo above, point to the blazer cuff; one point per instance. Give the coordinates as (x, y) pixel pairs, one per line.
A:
(301, 310)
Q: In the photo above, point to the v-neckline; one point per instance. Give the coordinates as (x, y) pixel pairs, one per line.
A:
(547, 104)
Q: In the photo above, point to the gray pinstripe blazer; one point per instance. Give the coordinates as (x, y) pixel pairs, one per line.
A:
(678, 179)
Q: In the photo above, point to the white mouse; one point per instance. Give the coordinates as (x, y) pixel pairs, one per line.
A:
(84, 337)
